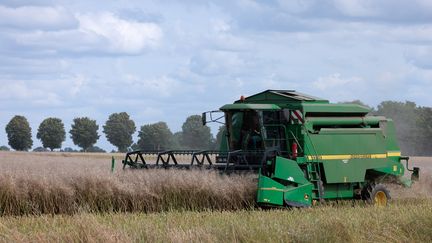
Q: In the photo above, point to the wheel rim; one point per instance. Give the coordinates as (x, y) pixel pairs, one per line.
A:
(380, 198)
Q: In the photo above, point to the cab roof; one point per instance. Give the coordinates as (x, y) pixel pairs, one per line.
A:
(282, 96)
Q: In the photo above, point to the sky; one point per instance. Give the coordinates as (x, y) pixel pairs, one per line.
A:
(164, 60)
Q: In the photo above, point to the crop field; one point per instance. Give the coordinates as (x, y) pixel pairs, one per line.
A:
(75, 197)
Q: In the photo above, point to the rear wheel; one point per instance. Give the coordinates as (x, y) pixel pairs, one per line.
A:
(377, 195)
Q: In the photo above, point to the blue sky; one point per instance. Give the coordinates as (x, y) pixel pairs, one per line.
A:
(165, 60)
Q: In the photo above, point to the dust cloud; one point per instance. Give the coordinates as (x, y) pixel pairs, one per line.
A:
(419, 189)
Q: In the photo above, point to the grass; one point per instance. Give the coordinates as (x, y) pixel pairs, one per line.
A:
(130, 191)
(408, 220)
(58, 185)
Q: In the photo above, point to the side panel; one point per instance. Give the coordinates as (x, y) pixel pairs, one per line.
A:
(347, 154)
(339, 190)
(286, 185)
(270, 192)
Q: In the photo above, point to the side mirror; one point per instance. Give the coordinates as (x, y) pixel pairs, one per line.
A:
(204, 118)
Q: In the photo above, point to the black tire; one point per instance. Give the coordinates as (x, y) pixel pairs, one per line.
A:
(376, 194)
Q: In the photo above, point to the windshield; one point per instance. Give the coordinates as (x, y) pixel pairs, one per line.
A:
(244, 129)
(255, 130)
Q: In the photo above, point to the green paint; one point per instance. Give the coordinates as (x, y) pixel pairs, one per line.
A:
(244, 106)
(287, 185)
(289, 170)
(300, 196)
(339, 146)
(270, 192)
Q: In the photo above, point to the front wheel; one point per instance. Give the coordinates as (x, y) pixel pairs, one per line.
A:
(377, 195)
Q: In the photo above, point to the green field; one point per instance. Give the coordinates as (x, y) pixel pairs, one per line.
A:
(59, 197)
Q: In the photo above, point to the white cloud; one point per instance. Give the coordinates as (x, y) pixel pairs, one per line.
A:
(335, 81)
(405, 83)
(32, 17)
(214, 63)
(220, 26)
(299, 15)
(18, 3)
(389, 11)
(15, 90)
(420, 56)
(160, 87)
(222, 38)
(77, 84)
(417, 34)
(356, 8)
(249, 4)
(297, 6)
(124, 36)
(28, 93)
(102, 33)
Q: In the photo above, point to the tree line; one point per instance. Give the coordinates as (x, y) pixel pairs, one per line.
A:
(413, 126)
(118, 129)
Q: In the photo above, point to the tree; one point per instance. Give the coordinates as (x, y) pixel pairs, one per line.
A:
(40, 149)
(119, 129)
(155, 136)
(405, 117)
(19, 133)
(358, 102)
(135, 147)
(69, 150)
(95, 149)
(195, 135)
(4, 148)
(424, 136)
(177, 141)
(84, 132)
(52, 133)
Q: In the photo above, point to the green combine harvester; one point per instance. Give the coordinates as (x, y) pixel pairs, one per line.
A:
(304, 149)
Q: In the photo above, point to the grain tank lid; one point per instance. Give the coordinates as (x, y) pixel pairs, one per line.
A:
(296, 95)
(335, 108)
(243, 106)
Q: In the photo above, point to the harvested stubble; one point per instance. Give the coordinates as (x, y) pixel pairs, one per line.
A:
(49, 188)
(407, 220)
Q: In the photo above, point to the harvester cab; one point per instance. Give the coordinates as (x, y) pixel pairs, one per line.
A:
(251, 127)
(303, 148)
